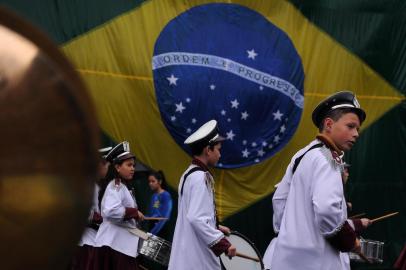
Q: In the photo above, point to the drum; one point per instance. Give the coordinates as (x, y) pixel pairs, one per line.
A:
(155, 249)
(373, 250)
(246, 247)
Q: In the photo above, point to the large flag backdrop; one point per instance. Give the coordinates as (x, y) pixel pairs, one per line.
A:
(158, 69)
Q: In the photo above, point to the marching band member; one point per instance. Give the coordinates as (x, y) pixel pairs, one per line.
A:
(310, 214)
(118, 247)
(198, 241)
(84, 255)
(400, 263)
(271, 247)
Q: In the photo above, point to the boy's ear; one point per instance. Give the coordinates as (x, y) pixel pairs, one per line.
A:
(206, 150)
(328, 123)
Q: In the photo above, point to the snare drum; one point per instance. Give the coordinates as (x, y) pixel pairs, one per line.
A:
(373, 250)
(155, 249)
(243, 246)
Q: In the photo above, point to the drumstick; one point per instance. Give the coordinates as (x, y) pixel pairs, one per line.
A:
(357, 215)
(142, 267)
(138, 232)
(383, 217)
(246, 257)
(155, 218)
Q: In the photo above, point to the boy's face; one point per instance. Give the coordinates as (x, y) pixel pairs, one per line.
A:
(344, 131)
(213, 156)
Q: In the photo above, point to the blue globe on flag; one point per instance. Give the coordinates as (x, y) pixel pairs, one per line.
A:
(229, 63)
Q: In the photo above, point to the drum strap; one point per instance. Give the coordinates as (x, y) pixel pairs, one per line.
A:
(195, 169)
(297, 160)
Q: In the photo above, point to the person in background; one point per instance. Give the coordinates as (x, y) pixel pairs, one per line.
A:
(161, 201)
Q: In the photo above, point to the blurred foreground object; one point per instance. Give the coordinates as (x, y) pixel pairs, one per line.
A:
(48, 157)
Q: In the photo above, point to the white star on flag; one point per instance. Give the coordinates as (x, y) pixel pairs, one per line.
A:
(277, 116)
(283, 128)
(234, 103)
(212, 87)
(194, 121)
(270, 146)
(172, 79)
(245, 153)
(254, 144)
(188, 100)
(228, 119)
(223, 112)
(261, 153)
(180, 107)
(256, 160)
(244, 142)
(261, 88)
(252, 54)
(244, 115)
(276, 139)
(173, 118)
(188, 130)
(230, 135)
(264, 143)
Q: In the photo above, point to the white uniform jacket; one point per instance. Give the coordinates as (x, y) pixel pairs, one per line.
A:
(309, 206)
(195, 230)
(112, 231)
(89, 235)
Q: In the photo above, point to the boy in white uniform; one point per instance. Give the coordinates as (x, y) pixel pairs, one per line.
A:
(310, 214)
(198, 240)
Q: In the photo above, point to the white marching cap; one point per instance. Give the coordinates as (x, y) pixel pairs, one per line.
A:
(104, 151)
(205, 135)
(118, 150)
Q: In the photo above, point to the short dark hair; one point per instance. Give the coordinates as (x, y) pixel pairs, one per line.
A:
(197, 149)
(335, 115)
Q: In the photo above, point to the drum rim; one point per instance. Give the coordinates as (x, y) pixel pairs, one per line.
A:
(160, 240)
(251, 244)
(364, 241)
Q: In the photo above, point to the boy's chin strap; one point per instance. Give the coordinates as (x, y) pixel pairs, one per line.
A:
(329, 143)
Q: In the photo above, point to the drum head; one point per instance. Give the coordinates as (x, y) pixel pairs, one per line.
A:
(244, 246)
(48, 157)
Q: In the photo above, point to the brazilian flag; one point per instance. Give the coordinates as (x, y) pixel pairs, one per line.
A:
(158, 69)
